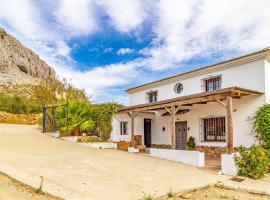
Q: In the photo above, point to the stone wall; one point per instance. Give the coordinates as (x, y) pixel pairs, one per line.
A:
(211, 151)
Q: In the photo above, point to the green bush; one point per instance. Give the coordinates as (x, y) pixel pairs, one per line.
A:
(102, 116)
(253, 162)
(78, 119)
(191, 144)
(18, 104)
(93, 119)
(261, 122)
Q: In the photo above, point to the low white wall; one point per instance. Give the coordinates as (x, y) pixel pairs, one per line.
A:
(133, 150)
(100, 145)
(228, 166)
(194, 158)
(70, 138)
(54, 134)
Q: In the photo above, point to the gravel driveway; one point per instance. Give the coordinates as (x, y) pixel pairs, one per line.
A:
(73, 171)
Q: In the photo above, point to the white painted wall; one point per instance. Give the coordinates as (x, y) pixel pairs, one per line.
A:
(267, 81)
(254, 75)
(194, 158)
(99, 145)
(228, 166)
(250, 75)
(244, 109)
(138, 126)
(243, 135)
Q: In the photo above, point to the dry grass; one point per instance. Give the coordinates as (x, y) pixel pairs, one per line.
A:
(217, 193)
(28, 119)
(11, 189)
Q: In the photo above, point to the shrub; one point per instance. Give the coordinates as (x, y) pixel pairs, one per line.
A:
(261, 123)
(90, 138)
(78, 119)
(253, 162)
(191, 143)
(18, 104)
(102, 116)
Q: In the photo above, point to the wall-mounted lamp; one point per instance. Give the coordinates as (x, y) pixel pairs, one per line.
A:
(163, 129)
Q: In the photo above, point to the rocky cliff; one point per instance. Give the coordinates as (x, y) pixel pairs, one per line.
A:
(19, 65)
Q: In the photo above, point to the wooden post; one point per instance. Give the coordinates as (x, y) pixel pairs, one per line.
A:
(132, 129)
(229, 124)
(173, 126)
(132, 116)
(44, 114)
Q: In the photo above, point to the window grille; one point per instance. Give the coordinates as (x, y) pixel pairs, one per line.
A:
(152, 96)
(213, 129)
(123, 128)
(212, 83)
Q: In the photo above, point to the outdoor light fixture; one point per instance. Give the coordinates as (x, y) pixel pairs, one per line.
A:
(163, 129)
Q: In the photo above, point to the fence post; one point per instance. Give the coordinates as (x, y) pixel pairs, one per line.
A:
(44, 112)
(67, 117)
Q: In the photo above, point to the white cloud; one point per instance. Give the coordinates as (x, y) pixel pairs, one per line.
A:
(181, 30)
(124, 15)
(108, 50)
(124, 51)
(21, 16)
(77, 17)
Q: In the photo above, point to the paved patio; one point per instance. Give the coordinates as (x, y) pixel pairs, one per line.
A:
(73, 171)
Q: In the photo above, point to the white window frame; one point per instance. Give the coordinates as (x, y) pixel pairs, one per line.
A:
(123, 128)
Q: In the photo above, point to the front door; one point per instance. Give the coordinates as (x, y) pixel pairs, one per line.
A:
(181, 135)
(147, 132)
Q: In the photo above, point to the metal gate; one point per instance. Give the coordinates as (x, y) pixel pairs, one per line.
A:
(49, 123)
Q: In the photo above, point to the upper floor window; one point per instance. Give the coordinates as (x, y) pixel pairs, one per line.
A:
(178, 88)
(152, 96)
(213, 83)
(123, 128)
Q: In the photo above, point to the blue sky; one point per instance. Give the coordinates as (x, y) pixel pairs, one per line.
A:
(107, 46)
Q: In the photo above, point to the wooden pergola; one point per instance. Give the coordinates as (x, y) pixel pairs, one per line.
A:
(172, 106)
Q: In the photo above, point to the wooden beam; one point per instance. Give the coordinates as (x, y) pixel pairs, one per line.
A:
(221, 103)
(229, 125)
(168, 110)
(173, 126)
(178, 108)
(132, 116)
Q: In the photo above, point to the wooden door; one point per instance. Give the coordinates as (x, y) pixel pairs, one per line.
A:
(181, 135)
(147, 132)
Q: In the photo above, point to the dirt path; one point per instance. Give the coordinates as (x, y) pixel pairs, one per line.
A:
(11, 189)
(217, 193)
(75, 172)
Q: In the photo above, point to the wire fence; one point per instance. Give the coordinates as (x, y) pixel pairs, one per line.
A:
(48, 119)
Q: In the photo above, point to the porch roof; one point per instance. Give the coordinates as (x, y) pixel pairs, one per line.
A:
(198, 98)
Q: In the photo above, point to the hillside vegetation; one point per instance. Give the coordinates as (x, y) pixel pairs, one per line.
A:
(28, 84)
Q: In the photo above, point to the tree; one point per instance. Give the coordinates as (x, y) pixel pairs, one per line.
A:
(261, 123)
(56, 91)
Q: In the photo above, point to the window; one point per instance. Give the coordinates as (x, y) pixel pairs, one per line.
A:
(178, 88)
(152, 96)
(123, 128)
(213, 83)
(213, 129)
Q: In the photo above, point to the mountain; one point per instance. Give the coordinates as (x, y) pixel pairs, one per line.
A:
(19, 65)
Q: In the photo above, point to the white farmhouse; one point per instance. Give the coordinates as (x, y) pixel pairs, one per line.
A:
(213, 104)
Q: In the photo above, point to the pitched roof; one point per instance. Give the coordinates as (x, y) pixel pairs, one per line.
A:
(258, 55)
